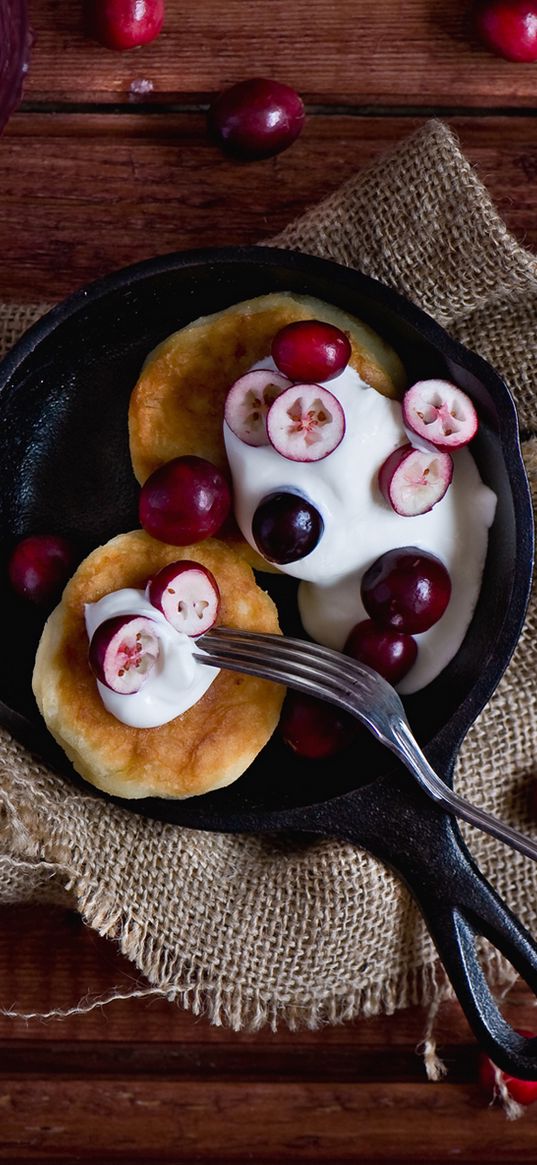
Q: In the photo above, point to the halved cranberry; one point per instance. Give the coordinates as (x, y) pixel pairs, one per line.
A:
(123, 652)
(310, 350)
(440, 413)
(390, 653)
(315, 729)
(125, 24)
(406, 589)
(286, 527)
(305, 423)
(248, 402)
(413, 481)
(256, 118)
(184, 501)
(40, 566)
(187, 594)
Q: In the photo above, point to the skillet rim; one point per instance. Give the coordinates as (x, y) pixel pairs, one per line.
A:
(443, 746)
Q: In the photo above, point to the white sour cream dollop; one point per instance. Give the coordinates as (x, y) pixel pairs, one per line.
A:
(176, 683)
(359, 525)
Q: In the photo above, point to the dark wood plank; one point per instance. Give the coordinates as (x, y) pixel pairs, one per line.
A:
(83, 195)
(243, 1121)
(419, 52)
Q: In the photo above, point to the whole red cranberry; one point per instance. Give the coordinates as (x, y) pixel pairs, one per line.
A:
(315, 729)
(406, 589)
(508, 28)
(523, 1091)
(125, 24)
(39, 567)
(256, 118)
(184, 501)
(388, 652)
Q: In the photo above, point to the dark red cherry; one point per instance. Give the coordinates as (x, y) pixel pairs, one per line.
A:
(39, 567)
(314, 729)
(406, 589)
(286, 527)
(184, 501)
(256, 118)
(390, 653)
(124, 24)
(310, 350)
(508, 28)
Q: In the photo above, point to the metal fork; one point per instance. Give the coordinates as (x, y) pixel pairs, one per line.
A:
(357, 689)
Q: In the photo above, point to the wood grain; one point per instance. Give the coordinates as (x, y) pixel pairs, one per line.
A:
(421, 52)
(76, 1117)
(81, 195)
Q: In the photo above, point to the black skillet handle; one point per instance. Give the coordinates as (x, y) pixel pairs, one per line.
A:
(423, 845)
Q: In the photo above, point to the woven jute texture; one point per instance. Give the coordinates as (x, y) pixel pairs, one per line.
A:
(254, 930)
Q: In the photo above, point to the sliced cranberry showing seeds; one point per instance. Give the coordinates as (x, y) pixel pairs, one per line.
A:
(40, 566)
(315, 729)
(406, 589)
(248, 402)
(286, 527)
(123, 652)
(305, 423)
(187, 594)
(440, 413)
(256, 118)
(310, 350)
(412, 481)
(508, 27)
(125, 24)
(388, 652)
(523, 1091)
(185, 500)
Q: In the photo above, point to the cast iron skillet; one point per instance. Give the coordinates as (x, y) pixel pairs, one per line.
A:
(64, 466)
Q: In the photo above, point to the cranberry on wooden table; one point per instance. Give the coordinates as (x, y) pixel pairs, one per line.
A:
(508, 28)
(125, 24)
(256, 118)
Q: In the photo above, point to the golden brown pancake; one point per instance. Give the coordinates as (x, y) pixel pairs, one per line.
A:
(177, 406)
(206, 747)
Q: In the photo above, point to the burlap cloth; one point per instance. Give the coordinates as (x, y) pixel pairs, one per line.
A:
(253, 930)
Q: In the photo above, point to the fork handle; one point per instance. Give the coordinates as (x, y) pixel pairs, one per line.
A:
(415, 760)
(423, 845)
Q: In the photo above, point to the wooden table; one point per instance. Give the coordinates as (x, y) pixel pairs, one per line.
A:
(92, 176)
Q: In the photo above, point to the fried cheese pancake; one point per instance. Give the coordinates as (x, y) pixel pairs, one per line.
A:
(177, 406)
(206, 747)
